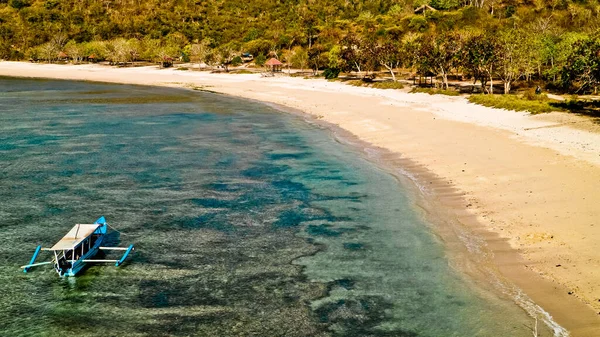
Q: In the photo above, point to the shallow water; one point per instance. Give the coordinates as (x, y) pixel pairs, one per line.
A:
(246, 222)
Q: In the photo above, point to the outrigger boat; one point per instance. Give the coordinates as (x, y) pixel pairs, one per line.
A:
(77, 248)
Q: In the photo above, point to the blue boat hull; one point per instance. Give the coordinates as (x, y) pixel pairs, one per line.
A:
(78, 265)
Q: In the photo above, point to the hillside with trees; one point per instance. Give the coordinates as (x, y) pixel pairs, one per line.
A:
(554, 43)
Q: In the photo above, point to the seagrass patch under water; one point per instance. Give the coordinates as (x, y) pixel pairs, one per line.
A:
(246, 222)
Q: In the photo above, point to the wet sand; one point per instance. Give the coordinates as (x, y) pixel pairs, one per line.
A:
(527, 185)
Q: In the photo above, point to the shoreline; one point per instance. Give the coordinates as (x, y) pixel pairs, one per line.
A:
(412, 130)
(492, 267)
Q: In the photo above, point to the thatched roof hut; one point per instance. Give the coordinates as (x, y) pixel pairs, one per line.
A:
(274, 65)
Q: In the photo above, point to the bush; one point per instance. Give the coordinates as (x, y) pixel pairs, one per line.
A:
(260, 60)
(330, 73)
(510, 11)
(236, 61)
(418, 23)
(444, 4)
(530, 95)
(185, 57)
(18, 4)
(471, 14)
(50, 4)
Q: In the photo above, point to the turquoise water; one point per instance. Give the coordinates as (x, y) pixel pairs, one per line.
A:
(247, 222)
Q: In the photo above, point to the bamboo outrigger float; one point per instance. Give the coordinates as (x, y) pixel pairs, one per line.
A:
(77, 248)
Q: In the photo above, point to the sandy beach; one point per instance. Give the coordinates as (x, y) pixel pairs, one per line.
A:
(528, 185)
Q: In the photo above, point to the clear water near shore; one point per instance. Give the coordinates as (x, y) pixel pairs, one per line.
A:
(246, 221)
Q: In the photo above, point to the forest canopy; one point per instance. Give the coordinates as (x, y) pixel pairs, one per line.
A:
(556, 41)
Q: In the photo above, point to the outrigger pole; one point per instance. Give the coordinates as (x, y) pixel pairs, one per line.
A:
(117, 262)
(32, 262)
(129, 249)
(27, 266)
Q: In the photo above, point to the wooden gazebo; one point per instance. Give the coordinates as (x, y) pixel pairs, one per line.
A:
(424, 75)
(62, 56)
(274, 65)
(166, 62)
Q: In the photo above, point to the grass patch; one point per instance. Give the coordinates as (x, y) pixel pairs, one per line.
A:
(535, 105)
(387, 85)
(182, 68)
(356, 83)
(538, 103)
(433, 91)
(303, 74)
(376, 85)
(241, 71)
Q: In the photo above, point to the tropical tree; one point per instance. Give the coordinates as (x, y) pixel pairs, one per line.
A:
(227, 52)
(259, 46)
(511, 56)
(564, 47)
(583, 66)
(411, 47)
(318, 57)
(352, 53)
(479, 57)
(58, 41)
(135, 49)
(96, 49)
(549, 52)
(119, 51)
(386, 53)
(150, 49)
(334, 60)
(299, 58)
(440, 54)
(309, 22)
(49, 52)
(74, 50)
(199, 51)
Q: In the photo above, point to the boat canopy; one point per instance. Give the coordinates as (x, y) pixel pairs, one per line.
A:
(75, 236)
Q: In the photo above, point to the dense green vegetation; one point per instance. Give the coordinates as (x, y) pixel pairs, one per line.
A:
(555, 43)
